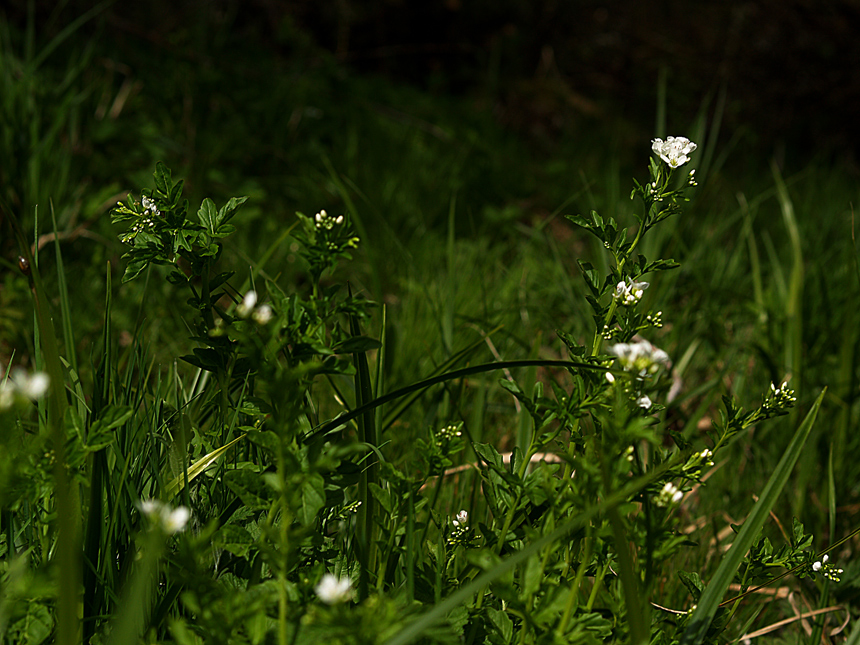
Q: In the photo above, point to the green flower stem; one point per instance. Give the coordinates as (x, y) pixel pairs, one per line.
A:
(619, 264)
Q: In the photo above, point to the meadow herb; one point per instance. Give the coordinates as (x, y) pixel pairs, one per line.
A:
(259, 462)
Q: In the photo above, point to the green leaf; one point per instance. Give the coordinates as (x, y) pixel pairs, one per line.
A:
(101, 434)
(174, 487)
(208, 216)
(707, 607)
(579, 220)
(229, 209)
(163, 179)
(356, 344)
(234, 539)
(134, 268)
(502, 622)
(313, 498)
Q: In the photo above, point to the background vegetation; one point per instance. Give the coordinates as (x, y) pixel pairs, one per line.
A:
(457, 162)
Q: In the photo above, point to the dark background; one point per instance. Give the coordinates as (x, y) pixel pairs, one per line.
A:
(790, 68)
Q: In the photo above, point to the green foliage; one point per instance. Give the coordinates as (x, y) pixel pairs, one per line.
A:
(351, 473)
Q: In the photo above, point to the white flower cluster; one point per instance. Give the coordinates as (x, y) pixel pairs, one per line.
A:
(462, 520)
(21, 386)
(326, 221)
(169, 520)
(149, 207)
(669, 494)
(629, 292)
(461, 534)
(674, 151)
(333, 590)
(261, 315)
(641, 357)
(826, 569)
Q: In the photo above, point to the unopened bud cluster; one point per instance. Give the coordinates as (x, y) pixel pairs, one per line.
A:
(781, 397)
(447, 434)
(826, 569)
(697, 462)
(323, 220)
(462, 534)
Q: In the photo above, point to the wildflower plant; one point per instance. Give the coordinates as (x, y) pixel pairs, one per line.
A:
(261, 466)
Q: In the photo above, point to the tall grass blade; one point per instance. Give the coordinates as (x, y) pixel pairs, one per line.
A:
(713, 594)
(178, 483)
(67, 555)
(366, 524)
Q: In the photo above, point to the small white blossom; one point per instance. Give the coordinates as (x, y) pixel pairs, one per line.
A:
(169, 520)
(462, 520)
(333, 590)
(674, 151)
(669, 494)
(644, 402)
(21, 386)
(248, 303)
(263, 314)
(149, 207)
(610, 377)
(629, 292)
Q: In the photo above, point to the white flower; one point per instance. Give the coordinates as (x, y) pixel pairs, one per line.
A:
(640, 357)
(462, 520)
(248, 303)
(674, 151)
(643, 401)
(263, 314)
(629, 292)
(333, 590)
(149, 207)
(610, 377)
(20, 386)
(170, 520)
(669, 494)
(33, 386)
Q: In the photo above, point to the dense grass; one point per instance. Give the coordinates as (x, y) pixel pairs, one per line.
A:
(463, 241)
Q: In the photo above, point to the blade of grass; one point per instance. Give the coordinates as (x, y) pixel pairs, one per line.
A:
(177, 484)
(66, 490)
(365, 519)
(341, 420)
(711, 598)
